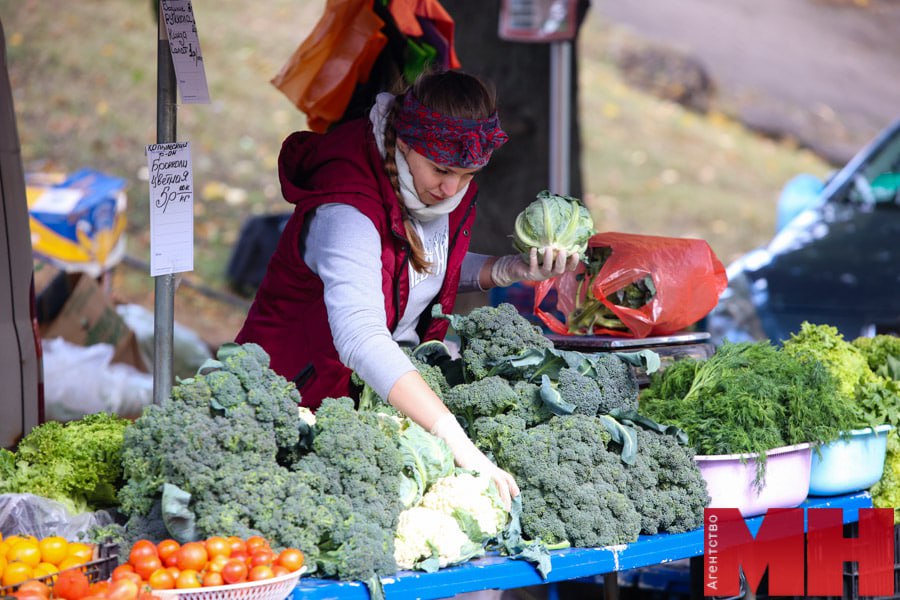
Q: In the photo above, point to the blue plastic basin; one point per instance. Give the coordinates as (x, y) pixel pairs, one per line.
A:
(851, 464)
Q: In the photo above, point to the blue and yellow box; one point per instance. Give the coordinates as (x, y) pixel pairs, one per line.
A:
(77, 221)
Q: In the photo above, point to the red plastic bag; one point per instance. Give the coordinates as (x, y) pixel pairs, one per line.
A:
(686, 273)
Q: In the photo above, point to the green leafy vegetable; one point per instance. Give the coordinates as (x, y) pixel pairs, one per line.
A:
(874, 398)
(553, 221)
(78, 463)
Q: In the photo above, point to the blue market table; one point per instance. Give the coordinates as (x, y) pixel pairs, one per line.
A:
(497, 572)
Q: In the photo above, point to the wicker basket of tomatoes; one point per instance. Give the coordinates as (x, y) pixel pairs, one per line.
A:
(275, 588)
(217, 568)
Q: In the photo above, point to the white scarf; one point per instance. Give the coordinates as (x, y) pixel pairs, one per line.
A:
(410, 198)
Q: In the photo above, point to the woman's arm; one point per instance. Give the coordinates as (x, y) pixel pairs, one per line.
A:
(351, 275)
(352, 282)
(412, 397)
(483, 272)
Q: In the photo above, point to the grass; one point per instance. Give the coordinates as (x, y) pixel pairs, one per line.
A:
(84, 80)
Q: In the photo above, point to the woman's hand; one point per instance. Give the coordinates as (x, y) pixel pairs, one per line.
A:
(468, 456)
(509, 269)
(412, 397)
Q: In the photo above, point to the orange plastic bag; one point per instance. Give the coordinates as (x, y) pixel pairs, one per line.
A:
(687, 276)
(321, 75)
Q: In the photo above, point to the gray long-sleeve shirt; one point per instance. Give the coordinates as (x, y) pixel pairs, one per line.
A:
(342, 247)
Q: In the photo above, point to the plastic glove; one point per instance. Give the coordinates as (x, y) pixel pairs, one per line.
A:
(509, 269)
(468, 456)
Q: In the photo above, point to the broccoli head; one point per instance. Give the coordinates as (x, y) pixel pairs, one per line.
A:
(618, 384)
(530, 406)
(490, 334)
(665, 485)
(483, 398)
(573, 484)
(581, 391)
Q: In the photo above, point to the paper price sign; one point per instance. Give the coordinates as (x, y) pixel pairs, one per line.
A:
(187, 58)
(171, 208)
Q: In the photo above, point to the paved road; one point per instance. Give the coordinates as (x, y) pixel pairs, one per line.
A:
(825, 71)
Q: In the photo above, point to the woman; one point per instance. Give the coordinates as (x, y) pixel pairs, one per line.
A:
(379, 234)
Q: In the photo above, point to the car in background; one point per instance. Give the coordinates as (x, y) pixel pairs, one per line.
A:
(834, 260)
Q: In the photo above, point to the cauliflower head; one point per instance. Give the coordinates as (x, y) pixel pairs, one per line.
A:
(425, 533)
(465, 496)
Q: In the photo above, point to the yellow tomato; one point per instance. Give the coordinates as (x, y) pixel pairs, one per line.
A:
(4, 548)
(44, 569)
(25, 551)
(69, 562)
(15, 538)
(53, 549)
(81, 551)
(15, 573)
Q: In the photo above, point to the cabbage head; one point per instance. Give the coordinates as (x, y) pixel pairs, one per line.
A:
(560, 222)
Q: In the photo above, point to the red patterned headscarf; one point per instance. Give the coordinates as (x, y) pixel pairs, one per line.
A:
(446, 140)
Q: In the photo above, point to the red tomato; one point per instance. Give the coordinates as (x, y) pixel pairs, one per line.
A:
(71, 585)
(130, 576)
(234, 571)
(166, 550)
(292, 558)
(123, 589)
(256, 542)
(161, 579)
(218, 546)
(212, 578)
(188, 578)
(147, 565)
(192, 556)
(262, 557)
(117, 572)
(28, 595)
(278, 570)
(216, 563)
(142, 549)
(99, 588)
(260, 572)
(33, 586)
(236, 544)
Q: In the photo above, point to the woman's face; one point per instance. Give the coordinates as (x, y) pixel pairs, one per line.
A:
(434, 183)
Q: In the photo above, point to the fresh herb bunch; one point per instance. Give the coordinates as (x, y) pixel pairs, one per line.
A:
(748, 397)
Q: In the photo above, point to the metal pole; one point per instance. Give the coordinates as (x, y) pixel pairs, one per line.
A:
(164, 285)
(560, 116)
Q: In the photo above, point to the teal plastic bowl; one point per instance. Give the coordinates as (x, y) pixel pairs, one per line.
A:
(851, 464)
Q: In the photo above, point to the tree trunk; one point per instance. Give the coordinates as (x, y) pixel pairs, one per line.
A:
(521, 74)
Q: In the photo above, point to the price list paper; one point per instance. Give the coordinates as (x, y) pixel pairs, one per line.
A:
(186, 55)
(171, 208)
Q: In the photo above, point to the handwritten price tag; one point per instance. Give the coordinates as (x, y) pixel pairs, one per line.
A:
(171, 208)
(186, 55)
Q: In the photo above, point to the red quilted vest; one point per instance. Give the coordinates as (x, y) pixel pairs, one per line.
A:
(288, 317)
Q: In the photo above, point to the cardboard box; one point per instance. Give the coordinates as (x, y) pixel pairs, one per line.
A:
(77, 222)
(74, 307)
